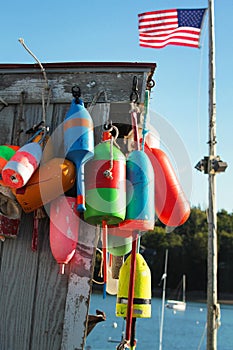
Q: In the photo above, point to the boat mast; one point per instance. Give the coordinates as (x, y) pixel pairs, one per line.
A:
(164, 277)
(184, 287)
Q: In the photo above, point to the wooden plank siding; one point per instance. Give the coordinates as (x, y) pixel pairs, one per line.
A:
(39, 308)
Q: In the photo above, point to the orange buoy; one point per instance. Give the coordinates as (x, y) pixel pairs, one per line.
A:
(171, 204)
(64, 223)
(50, 180)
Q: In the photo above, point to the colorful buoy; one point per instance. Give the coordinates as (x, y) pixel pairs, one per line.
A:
(64, 224)
(119, 246)
(140, 212)
(50, 180)
(79, 144)
(142, 289)
(22, 165)
(171, 204)
(105, 179)
(6, 153)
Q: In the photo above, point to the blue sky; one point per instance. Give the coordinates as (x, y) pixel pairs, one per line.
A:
(91, 30)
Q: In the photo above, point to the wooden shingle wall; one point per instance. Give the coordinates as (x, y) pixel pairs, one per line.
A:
(39, 308)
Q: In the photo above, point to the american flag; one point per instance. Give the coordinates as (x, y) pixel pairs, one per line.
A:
(170, 27)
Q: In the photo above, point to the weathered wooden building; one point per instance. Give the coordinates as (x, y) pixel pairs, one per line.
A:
(39, 308)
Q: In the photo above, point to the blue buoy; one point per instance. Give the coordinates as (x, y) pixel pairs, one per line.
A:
(79, 144)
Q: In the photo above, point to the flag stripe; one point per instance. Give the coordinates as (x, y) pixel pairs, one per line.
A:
(176, 27)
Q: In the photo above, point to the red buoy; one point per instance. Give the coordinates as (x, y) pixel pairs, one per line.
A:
(64, 223)
(171, 204)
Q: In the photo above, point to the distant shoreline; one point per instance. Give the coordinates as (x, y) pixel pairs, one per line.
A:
(200, 297)
(194, 296)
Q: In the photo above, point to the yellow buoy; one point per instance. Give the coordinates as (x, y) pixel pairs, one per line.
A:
(142, 289)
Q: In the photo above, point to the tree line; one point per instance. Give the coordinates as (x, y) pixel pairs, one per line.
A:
(187, 252)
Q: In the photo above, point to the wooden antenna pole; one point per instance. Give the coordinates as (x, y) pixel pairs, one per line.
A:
(212, 306)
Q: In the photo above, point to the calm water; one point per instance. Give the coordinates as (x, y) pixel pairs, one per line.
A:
(182, 331)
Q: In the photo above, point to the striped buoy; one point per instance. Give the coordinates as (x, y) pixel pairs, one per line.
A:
(79, 144)
(22, 165)
(142, 289)
(140, 211)
(105, 180)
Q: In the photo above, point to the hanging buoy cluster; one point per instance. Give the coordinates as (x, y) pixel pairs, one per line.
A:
(123, 194)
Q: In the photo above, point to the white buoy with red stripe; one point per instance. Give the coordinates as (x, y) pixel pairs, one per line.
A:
(22, 165)
(19, 169)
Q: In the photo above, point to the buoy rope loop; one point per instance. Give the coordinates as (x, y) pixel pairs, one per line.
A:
(134, 108)
(43, 131)
(108, 172)
(124, 344)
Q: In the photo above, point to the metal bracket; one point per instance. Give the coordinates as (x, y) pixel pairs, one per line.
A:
(211, 165)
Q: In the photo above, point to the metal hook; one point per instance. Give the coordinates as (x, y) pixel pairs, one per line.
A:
(108, 126)
(76, 92)
(35, 128)
(150, 84)
(134, 94)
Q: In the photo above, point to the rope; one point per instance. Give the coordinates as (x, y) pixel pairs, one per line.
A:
(204, 31)
(106, 108)
(108, 173)
(21, 40)
(146, 106)
(47, 88)
(134, 111)
(100, 273)
(5, 104)
(124, 344)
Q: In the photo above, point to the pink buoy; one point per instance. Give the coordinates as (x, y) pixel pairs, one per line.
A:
(22, 165)
(64, 224)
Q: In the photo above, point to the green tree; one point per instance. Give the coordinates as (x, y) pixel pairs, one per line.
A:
(187, 246)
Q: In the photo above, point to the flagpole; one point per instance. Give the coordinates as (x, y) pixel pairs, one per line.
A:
(212, 305)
